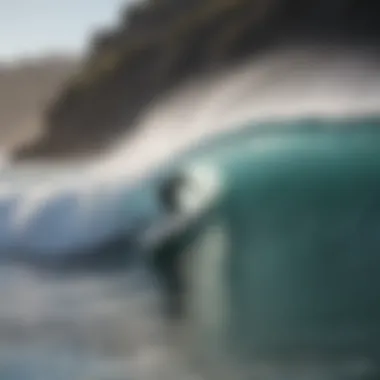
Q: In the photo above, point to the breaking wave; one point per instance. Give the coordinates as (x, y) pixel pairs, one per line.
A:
(108, 328)
(51, 209)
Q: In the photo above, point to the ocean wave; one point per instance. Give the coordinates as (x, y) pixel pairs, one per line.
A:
(98, 327)
(50, 212)
(55, 210)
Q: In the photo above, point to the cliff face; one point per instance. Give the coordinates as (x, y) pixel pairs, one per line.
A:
(25, 88)
(160, 43)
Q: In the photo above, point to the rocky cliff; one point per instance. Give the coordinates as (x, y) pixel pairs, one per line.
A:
(25, 89)
(159, 43)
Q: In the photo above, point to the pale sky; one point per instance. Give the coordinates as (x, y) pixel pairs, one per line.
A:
(35, 27)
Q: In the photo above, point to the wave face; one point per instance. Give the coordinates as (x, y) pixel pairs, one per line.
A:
(59, 325)
(55, 210)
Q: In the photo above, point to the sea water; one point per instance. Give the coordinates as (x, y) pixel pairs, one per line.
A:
(108, 325)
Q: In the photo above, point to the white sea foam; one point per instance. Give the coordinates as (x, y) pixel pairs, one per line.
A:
(103, 328)
(52, 209)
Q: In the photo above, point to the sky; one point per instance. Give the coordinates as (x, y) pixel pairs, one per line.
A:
(39, 27)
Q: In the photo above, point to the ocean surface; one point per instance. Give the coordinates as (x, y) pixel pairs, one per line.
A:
(108, 325)
(74, 325)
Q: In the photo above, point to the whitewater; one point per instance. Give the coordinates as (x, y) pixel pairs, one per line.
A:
(52, 210)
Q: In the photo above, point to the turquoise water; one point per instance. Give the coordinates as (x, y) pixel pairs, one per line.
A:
(87, 325)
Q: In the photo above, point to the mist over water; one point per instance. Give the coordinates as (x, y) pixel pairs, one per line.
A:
(109, 326)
